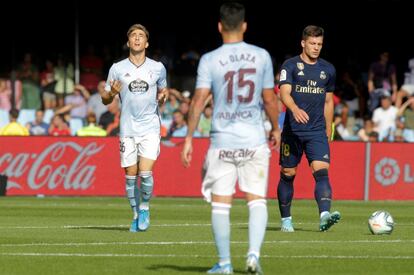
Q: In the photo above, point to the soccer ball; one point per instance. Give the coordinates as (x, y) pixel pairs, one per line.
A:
(381, 222)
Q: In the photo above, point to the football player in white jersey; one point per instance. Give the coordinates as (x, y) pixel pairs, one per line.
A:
(141, 85)
(240, 77)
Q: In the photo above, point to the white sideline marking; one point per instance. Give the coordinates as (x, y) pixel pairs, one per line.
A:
(197, 243)
(207, 256)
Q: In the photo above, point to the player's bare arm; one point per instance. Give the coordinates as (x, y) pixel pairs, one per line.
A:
(300, 115)
(196, 108)
(162, 96)
(108, 97)
(270, 102)
(328, 112)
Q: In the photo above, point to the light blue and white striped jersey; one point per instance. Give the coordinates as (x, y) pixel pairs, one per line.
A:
(236, 73)
(139, 105)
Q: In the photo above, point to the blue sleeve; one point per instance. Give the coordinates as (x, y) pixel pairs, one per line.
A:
(330, 86)
(286, 73)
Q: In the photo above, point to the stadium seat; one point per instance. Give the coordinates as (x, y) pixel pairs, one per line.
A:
(4, 118)
(48, 116)
(75, 124)
(26, 116)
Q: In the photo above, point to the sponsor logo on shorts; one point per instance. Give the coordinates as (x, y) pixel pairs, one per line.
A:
(238, 154)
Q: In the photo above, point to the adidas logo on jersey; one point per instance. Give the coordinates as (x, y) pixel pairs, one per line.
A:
(301, 73)
(326, 156)
(127, 75)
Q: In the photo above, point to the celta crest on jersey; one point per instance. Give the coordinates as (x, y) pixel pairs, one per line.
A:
(138, 86)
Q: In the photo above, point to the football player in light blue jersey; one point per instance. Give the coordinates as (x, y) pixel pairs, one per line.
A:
(141, 85)
(240, 77)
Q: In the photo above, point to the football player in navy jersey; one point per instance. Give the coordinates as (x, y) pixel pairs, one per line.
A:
(306, 86)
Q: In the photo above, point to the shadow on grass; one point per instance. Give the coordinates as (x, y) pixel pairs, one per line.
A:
(277, 228)
(198, 269)
(114, 228)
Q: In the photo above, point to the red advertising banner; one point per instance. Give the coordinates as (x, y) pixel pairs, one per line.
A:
(391, 171)
(91, 166)
(61, 166)
(346, 173)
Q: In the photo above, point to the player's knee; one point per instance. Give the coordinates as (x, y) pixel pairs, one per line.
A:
(288, 172)
(287, 176)
(321, 173)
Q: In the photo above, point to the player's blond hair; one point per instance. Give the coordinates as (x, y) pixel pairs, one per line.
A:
(138, 27)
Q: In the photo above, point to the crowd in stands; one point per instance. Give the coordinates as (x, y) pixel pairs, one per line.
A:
(49, 102)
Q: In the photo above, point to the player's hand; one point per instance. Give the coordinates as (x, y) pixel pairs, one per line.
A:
(116, 87)
(300, 115)
(275, 139)
(162, 96)
(186, 153)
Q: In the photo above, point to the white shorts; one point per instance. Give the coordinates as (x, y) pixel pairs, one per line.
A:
(223, 167)
(131, 148)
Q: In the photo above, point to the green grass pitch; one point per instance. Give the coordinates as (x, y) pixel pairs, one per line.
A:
(89, 235)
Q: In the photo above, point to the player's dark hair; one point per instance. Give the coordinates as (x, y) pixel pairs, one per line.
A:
(232, 15)
(312, 31)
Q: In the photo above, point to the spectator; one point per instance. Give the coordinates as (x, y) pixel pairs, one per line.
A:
(95, 104)
(179, 125)
(5, 95)
(14, 128)
(91, 130)
(408, 88)
(29, 75)
(38, 127)
(406, 119)
(373, 137)
(384, 118)
(76, 103)
(47, 85)
(382, 76)
(58, 126)
(64, 76)
(365, 132)
(204, 126)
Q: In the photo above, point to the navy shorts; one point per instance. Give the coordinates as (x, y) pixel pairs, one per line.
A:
(315, 146)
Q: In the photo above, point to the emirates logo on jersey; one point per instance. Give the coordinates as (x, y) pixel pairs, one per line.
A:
(138, 86)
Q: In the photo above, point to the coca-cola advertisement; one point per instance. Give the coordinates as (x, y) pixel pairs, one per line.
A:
(61, 166)
(91, 166)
